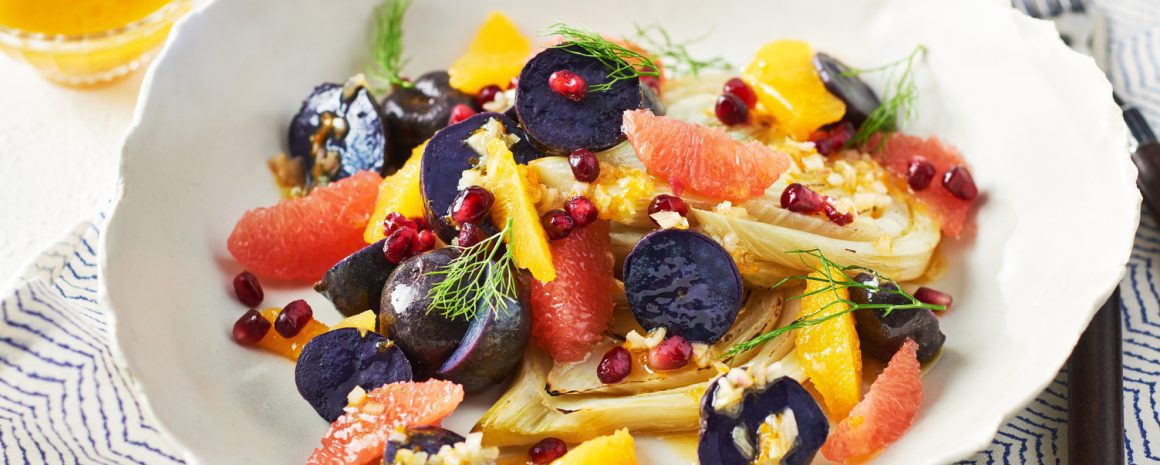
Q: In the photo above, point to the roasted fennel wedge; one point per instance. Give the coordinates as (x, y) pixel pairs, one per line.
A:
(760, 314)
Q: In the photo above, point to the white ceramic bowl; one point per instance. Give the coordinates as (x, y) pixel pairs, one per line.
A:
(1035, 121)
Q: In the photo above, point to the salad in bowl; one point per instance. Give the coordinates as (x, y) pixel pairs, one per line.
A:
(606, 238)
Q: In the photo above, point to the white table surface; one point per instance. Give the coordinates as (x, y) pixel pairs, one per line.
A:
(58, 149)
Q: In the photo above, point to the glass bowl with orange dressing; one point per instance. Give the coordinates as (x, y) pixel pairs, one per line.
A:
(86, 42)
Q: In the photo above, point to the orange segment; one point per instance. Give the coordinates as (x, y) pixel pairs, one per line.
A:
(292, 347)
(513, 201)
(615, 449)
(363, 322)
(830, 351)
(495, 56)
(400, 193)
(789, 88)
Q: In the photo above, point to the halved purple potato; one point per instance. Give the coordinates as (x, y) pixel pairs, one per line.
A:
(325, 98)
(336, 361)
(860, 99)
(427, 338)
(341, 120)
(355, 284)
(558, 125)
(415, 113)
(445, 158)
(685, 282)
(717, 444)
(427, 439)
(492, 347)
(882, 335)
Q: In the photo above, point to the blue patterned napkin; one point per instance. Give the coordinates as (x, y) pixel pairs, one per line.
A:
(64, 399)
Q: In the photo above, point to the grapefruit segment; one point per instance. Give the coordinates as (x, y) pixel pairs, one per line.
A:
(704, 160)
(358, 436)
(895, 155)
(570, 314)
(886, 413)
(299, 239)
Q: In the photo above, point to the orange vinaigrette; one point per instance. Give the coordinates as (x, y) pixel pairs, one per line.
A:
(86, 42)
(71, 17)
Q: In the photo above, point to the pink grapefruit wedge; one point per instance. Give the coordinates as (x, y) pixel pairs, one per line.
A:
(896, 154)
(704, 160)
(884, 415)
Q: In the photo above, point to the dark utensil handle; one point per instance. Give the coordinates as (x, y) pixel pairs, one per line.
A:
(1096, 391)
(1147, 158)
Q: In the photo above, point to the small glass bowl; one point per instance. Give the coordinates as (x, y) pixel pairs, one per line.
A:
(92, 59)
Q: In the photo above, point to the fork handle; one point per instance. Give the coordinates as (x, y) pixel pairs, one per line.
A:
(1147, 158)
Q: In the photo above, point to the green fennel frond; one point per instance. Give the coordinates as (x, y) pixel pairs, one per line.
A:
(386, 49)
(835, 277)
(483, 272)
(622, 62)
(897, 100)
(676, 55)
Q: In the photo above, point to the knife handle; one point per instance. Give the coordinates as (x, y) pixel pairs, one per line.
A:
(1147, 158)
(1095, 381)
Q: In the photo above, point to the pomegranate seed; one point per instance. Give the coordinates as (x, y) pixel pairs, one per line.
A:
(399, 245)
(424, 241)
(557, 224)
(835, 216)
(585, 166)
(801, 199)
(930, 296)
(670, 354)
(248, 289)
(395, 221)
(547, 450)
(568, 84)
(827, 141)
(668, 203)
(293, 318)
(582, 211)
(738, 87)
(250, 328)
(615, 365)
(486, 95)
(653, 82)
(469, 235)
(471, 205)
(459, 113)
(420, 223)
(919, 173)
(731, 110)
(960, 183)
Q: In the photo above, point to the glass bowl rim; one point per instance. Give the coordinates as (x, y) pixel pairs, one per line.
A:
(17, 38)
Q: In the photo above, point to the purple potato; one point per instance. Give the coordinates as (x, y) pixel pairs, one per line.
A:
(860, 99)
(685, 282)
(334, 362)
(492, 347)
(427, 439)
(559, 125)
(881, 334)
(717, 444)
(427, 338)
(445, 159)
(415, 113)
(325, 98)
(358, 135)
(355, 284)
